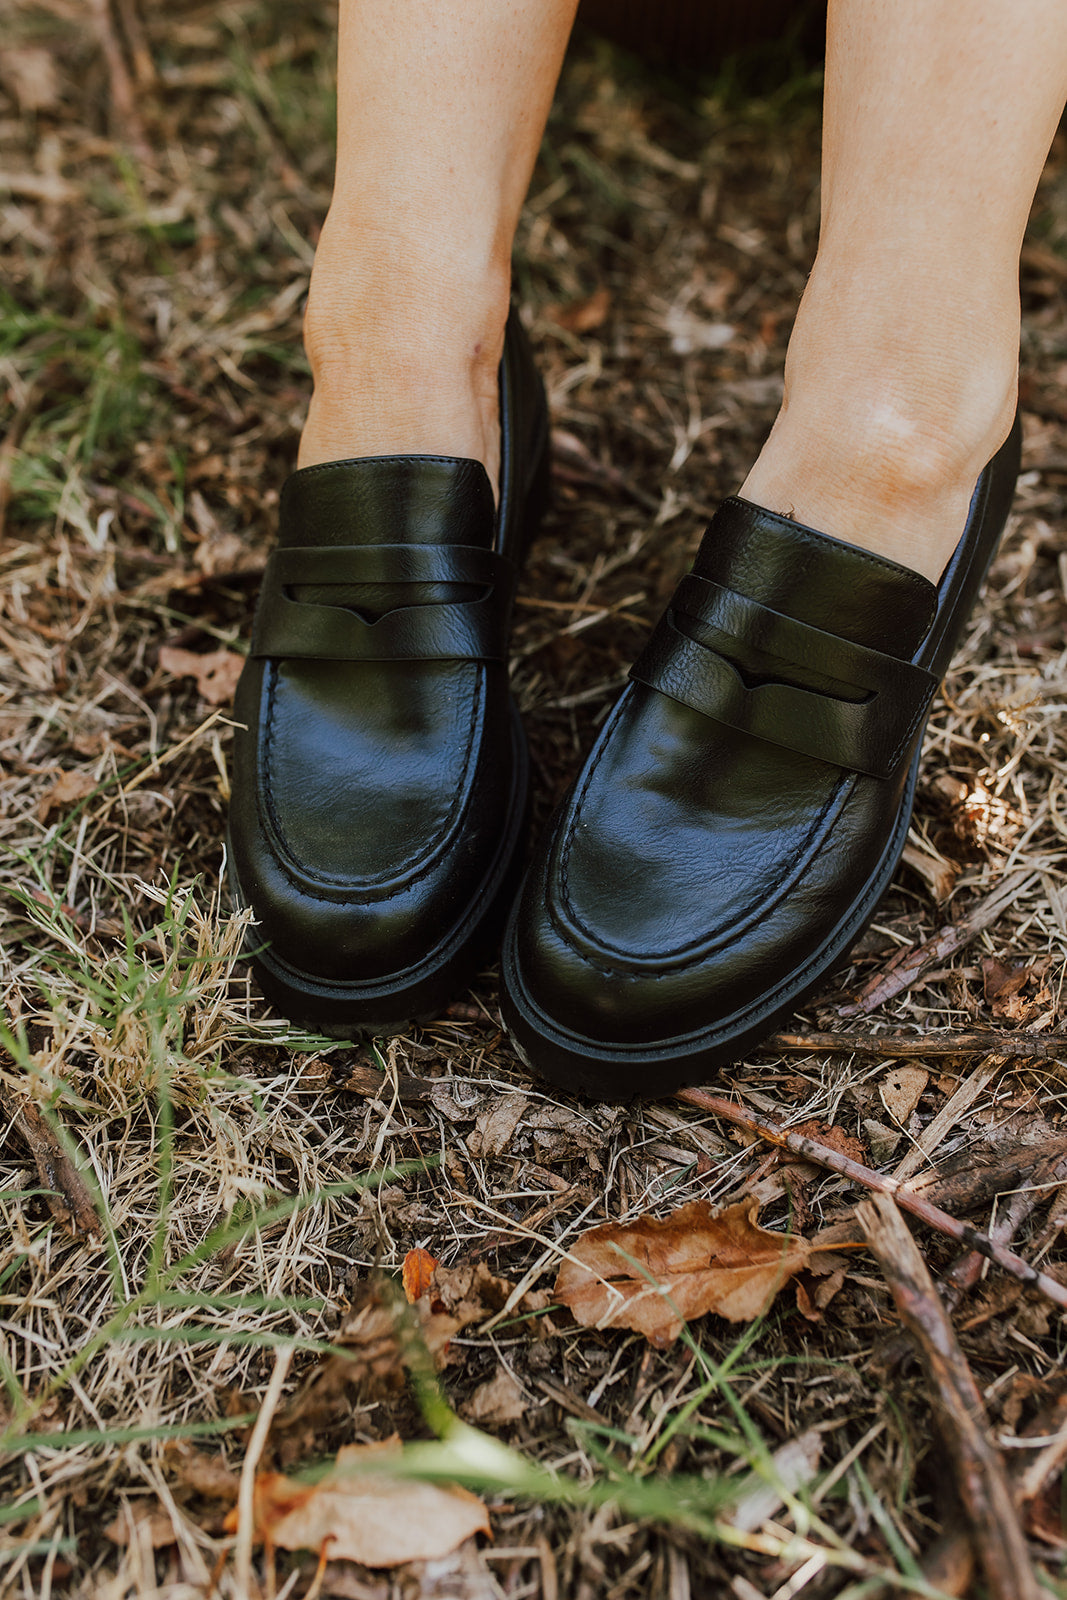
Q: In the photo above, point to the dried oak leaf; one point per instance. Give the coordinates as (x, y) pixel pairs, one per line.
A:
(364, 1515)
(216, 672)
(694, 1261)
(582, 316)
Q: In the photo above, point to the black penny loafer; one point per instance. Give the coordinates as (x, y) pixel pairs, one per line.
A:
(380, 774)
(745, 805)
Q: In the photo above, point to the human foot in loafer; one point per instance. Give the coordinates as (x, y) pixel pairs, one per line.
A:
(745, 805)
(380, 773)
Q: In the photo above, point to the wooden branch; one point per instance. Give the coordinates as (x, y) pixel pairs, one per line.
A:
(979, 1473)
(69, 1198)
(924, 1046)
(908, 966)
(123, 98)
(878, 1183)
(948, 1564)
(367, 1080)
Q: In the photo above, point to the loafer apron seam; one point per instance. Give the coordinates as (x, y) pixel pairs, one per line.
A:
(301, 876)
(697, 950)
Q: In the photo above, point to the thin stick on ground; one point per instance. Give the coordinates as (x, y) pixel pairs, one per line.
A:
(879, 1183)
(69, 1198)
(921, 1046)
(246, 1497)
(907, 967)
(957, 1404)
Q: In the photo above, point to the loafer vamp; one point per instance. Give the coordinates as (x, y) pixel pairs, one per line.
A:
(675, 886)
(383, 793)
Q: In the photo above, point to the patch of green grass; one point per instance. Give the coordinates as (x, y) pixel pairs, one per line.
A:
(136, 1008)
(90, 399)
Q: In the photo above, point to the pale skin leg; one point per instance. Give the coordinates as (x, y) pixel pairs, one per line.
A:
(902, 368)
(441, 109)
(901, 372)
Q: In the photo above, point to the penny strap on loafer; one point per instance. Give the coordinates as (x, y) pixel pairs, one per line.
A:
(464, 629)
(864, 727)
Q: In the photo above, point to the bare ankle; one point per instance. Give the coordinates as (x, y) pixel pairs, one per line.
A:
(401, 362)
(880, 440)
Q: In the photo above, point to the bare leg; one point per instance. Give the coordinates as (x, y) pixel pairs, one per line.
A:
(902, 368)
(441, 108)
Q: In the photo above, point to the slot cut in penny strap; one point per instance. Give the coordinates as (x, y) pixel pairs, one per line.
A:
(867, 734)
(450, 630)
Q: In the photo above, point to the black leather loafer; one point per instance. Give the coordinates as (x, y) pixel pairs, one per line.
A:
(745, 805)
(380, 777)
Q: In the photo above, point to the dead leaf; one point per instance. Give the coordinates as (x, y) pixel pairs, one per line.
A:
(881, 1138)
(1003, 985)
(836, 1138)
(216, 672)
(703, 1260)
(30, 74)
(70, 787)
(813, 1298)
(792, 1467)
(419, 1268)
(364, 1515)
(582, 316)
(901, 1090)
(131, 1520)
(499, 1400)
(495, 1128)
(205, 1475)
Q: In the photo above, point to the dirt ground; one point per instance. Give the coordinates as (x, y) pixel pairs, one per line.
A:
(163, 175)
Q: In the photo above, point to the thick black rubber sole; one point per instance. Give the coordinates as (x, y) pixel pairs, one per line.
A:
(619, 1073)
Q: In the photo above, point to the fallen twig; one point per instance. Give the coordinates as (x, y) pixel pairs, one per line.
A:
(123, 98)
(246, 1495)
(979, 1476)
(909, 966)
(921, 1046)
(879, 1183)
(69, 1197)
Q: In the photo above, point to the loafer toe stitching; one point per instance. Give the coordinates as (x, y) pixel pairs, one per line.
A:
(568, 921)
(408, 872)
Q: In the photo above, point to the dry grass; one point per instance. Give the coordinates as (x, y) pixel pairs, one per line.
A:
(152, 385)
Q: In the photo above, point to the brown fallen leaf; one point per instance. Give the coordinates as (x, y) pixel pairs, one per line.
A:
(901, 1090)
(582, 316)
(418, 1274)
(1003, 985)
(701, 1259)
(364, 1515)
(70, 787)
(813, 1298)
(836, 1138)
(132, 1519)
(201, 1474)
(30, 73)
(495, 1128)
(216, 672)
(499, 1400)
